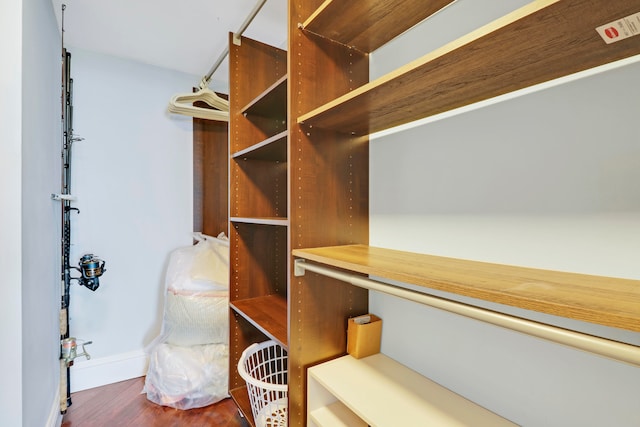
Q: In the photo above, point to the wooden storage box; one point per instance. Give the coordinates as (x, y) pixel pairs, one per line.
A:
(363, 335)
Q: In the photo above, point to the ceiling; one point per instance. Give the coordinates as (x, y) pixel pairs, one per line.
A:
(182, 35)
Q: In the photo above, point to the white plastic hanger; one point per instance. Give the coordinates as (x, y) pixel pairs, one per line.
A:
(183, 104)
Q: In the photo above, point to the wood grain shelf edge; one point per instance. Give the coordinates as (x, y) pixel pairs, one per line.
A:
(283, 222)
(367, 25)
(439, 82)
(274, 94)
(241, 397)
(268, 314)
(267, 144)
(600, 300)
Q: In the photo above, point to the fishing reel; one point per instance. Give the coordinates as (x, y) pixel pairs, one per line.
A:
(69, 350)
(91, 268)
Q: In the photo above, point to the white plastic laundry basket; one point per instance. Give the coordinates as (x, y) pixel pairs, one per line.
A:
(264, 368)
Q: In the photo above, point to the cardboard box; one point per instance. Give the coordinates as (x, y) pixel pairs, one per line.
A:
(363, 335)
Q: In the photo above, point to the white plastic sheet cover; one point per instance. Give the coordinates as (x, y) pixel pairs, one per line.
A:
(188, 377)
(188, 361)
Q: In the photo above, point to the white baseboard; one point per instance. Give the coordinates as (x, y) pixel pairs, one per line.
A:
(92, 373)
(55, 417)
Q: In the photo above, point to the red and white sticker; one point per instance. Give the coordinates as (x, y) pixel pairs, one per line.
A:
(621, 29)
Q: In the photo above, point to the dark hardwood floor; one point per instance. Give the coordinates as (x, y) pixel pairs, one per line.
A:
(123, 404)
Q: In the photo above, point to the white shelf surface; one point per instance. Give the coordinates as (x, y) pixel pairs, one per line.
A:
(382, 392)
(335, 414)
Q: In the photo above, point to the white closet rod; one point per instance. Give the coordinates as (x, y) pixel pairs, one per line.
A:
(238, 33)
(613, 349)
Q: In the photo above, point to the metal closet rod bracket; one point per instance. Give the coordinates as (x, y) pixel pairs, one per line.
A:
(616, 350)
(298, 267)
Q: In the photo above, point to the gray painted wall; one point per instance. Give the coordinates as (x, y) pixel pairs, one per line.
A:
(133, 178)
(547, 180)
(30, 156)
(11, 219)
(41, 144)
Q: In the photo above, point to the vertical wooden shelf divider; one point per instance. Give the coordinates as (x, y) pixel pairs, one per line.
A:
(291, 188)
(329, 203)
(257, 202)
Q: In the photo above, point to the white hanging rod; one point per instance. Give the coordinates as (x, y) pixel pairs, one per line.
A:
(183, 103)
(237, 34)
(200, 237)
(612, 349)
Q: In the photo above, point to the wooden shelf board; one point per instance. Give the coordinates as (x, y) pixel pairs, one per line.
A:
(270, 103)
(268, 314)
(261, 220)
(273, 148)
(382, 392)
(241, 397)
(542, 41)
(606, 301)
(368, 24)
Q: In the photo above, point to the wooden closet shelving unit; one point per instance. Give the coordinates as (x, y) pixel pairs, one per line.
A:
(299, 156)
(276, 205)
(333, 107)
(258, 202)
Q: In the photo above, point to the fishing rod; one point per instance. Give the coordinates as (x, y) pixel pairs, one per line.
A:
(90, 267)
